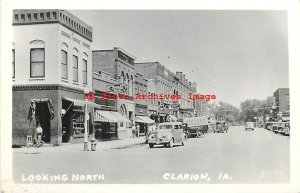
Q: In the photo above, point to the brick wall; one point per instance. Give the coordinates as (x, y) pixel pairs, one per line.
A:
(105, 61)
(21, 103)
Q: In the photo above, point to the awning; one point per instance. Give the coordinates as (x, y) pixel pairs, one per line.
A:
(144, 119)
(104, 116)
(110, 116)
(81, 103)
(120, 117)
(173, 118)
(285, 118)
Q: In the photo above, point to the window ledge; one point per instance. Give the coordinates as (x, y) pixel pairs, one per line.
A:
(76, 83)
(64, 80)
(42, 78)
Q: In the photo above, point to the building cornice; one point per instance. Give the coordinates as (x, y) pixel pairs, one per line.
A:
(46, 87)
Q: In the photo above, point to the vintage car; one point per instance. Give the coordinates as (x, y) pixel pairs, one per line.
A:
(269, 125)
(249, 126)
(281, 126)
(286, 129)
(221, 127)
(275, 127)
(168, 134)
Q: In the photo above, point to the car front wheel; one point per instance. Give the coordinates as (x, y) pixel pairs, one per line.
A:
(151, 145)
(171, 143)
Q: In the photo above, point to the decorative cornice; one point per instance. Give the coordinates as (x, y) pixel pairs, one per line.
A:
(46, 87)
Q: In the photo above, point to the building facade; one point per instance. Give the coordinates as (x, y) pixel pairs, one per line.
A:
(153, 103)
(52, 66)
(120, 65)
(169, 83)
(282, 104)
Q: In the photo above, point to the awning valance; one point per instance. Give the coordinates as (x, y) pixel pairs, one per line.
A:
(104, 116)
(143, 119)
(81, 103)
(120, 117)
(110, 116)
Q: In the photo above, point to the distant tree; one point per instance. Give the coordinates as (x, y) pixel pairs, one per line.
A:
(251, 108)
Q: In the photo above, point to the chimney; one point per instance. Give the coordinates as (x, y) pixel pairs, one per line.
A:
(177, 73)
(183, 76)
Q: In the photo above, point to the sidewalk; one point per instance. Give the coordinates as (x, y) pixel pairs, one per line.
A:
(101, 146)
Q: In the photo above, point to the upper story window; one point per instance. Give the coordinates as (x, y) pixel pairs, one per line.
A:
(35, 16)
(13, 63)
(84, 71)
(64, 64)
(37, 58)
(37, 62)
(75, 68)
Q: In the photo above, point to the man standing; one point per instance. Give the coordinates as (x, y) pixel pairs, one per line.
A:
(39, 132)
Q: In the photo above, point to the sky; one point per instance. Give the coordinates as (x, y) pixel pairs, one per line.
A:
(235, 55)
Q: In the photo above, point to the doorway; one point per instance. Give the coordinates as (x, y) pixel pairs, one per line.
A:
(43, 116)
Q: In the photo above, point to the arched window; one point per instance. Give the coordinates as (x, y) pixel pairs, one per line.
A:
(64, 61)
(37, 58)
(84, 68)
(75, 65)
(132, 86)
(122, 78)
(13, 60)
(127, 83)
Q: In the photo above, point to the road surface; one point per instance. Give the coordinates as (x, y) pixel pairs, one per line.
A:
(239, 156)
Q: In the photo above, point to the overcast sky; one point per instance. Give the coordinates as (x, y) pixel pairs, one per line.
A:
(236, 55)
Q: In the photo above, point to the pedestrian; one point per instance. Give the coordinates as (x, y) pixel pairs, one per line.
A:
(138, 130)
(39, 132)
(133, 131)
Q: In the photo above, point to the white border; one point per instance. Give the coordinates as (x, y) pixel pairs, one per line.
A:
(293, 8)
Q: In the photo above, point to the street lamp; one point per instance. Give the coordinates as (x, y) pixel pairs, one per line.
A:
(86, 118)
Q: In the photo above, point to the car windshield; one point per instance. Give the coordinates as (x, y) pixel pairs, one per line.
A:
(250, 124)
(165, 127)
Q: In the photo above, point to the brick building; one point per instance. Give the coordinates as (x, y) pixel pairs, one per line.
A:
(282, 104)
(169, 83)
(120, 65)
(51, 69)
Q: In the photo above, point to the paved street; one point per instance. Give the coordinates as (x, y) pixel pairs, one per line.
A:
(238, 156)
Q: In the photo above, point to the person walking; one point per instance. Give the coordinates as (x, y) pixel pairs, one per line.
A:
(39, 132)
(133, 131)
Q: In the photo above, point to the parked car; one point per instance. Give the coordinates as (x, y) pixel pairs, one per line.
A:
(281, 126)
(286, 129)
(249, 126)
(168, 134)
(269, 125)
(221, 127)
(275, 127)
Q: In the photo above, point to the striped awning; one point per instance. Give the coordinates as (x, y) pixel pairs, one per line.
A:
(110, 116)
(144, 119)
(120, 117)
(104, 116)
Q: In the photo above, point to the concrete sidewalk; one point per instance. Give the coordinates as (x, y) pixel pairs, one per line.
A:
(101, 146)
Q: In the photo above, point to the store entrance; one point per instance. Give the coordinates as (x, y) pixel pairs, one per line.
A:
(43, 116)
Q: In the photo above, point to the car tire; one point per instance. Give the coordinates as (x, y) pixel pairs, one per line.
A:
(171, 143)
(151, 145)
(184, 142)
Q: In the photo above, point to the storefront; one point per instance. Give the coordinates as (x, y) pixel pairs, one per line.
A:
(144, 122)
(110, 125)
